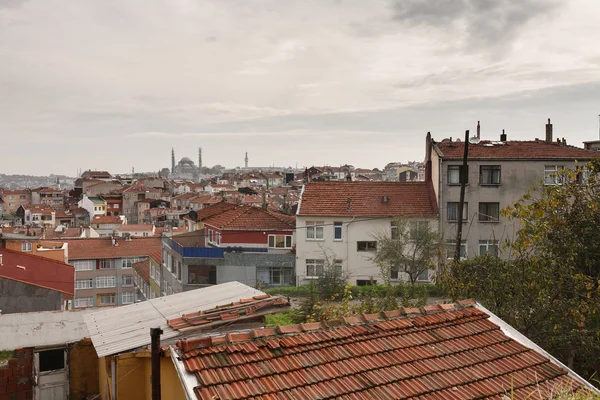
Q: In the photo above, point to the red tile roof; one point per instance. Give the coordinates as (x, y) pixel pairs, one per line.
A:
(410, 199)
(98, 248)
(136, 227)
(143, 269)
(541, 150)
(448, 351)
(105, 219)
(38, 271)
(214, 209)
(245, 308)
(250, 218)
(156, 256)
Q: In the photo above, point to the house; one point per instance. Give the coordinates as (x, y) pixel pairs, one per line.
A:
(499, 173)
(227, 307)
(103, 269)
(241, 243)
(205, 212)
(446, 351)
(105, 225)
(35, 245)
(141, 230)
(36, 215)
(182, 202)
(33, 283)
(147, 278)
(48, 196)
(15, 198)
(132, 195)
(93, 205)
(100, 175)
(339, 222)
(50, 356)
(200, 202)
(114, 203)
(64, 218)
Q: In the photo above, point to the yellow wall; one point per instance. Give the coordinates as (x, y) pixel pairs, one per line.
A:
(56, 255)
(83, 369)
(134, 371)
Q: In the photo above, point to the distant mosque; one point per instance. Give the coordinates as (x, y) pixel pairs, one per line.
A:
(185, 168)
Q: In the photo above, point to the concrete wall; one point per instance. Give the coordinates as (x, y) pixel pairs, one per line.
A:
(83, 370)
(516, 177)
(16, 376)
(18, 297)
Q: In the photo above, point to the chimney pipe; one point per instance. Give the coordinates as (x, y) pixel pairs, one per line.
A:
(478, 130)
(428, 149)
(503, 136)
(548, 132)
(155, 349)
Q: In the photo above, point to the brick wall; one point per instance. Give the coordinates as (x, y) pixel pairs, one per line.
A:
(15, 376)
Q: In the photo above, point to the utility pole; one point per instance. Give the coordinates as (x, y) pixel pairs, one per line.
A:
(464, 174)
(155, 348)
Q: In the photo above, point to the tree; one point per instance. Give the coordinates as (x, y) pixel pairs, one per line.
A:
(549, 288)
(413, 248)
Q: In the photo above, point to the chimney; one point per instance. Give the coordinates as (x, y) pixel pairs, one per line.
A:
(478, 130)
(564, 142)
(428, 149)
(548, 132)
(385, 198)
(503, 136)
(348, 177)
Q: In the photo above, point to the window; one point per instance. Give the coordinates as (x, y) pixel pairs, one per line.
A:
(210, 235)
(452, 211)
(115, 206)
(84, 265)
(314, 230)
(314, 267)
(551, 173)
(451, 249)
(423, 276)
(106, 281)
(489, 175)
(107, 299)
(127, 297)
(52, 360)
(488, 246)
(127, 280)
(280, 241)
(26, 246)
(84, 283)
(454, 174)
(170, 262)
(155, 274)
(337, 231)
(218, 237)
(366, 246)
(107, 264)
(83, 302)
(202, 274)
(128, 262)
(395, 231)
(489, 212)
(394, 272)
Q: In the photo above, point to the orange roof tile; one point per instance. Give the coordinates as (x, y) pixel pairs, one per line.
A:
(540, 150)
(410, 199)
(214, 209)
(98, 248)
(136, 227)
(245, 308)
(251, 218)
(441, 352)
(143, 268)
(106, 219)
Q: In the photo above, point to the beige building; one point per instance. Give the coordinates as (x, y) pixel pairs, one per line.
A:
(339, 222)
(499, 173)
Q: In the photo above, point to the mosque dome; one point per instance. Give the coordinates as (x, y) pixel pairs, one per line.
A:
(186, 161)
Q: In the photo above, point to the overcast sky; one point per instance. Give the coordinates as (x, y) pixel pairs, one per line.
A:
(114, 84)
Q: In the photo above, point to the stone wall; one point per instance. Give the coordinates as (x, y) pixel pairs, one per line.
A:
(16, 376)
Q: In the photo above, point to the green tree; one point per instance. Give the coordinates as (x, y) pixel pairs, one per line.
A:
(412, 249)
(549, 288)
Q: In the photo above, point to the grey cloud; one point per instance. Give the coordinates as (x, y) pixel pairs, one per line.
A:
(479, 24)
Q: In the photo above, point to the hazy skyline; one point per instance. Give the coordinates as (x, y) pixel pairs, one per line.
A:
(113, 85)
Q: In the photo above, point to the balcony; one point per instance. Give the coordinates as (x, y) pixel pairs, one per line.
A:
(198, 252)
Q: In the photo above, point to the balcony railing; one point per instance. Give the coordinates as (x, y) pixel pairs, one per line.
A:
(199, 252)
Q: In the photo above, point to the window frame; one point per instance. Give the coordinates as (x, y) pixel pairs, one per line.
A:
(104, 282)
(107, 261)
(109, 295)
(455, 167)
(465, 211)
(369, 245)
(451, 244)
(128, 294)
(26, 247)
(492, 169)
(273, 238)
(90, 284)
(78, 263)
(486, 244)
(550, 170)
(338, 227)
(486, 216)
(89, 302)
(315, 264)
(123, 280)
(313, 228)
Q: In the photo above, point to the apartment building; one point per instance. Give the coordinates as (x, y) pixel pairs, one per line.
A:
(13, 199)
(499, 172)
(103, 269)
(339, 222)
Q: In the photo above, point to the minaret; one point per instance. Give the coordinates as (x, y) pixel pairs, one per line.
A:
(199, 158)
(246, 160)
(172, 160)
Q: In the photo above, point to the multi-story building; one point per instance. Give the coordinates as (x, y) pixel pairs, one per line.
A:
(95, 206)
(338, 224)
(13, 199)
(48, 196)
(147, 277)
(132, 195)
(103, 269)
(35, 245)
(114, 204)
(499, 172)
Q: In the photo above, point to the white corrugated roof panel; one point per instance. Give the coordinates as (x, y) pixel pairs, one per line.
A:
(124, 328)
(43, 328)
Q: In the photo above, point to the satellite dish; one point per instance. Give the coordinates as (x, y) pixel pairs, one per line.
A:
(193, 215)
(474, 140)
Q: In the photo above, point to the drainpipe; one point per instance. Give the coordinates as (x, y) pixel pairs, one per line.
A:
(155, 346)
(113, 374)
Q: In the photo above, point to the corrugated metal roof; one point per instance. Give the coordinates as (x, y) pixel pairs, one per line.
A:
(126, 328)
(44, 328)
